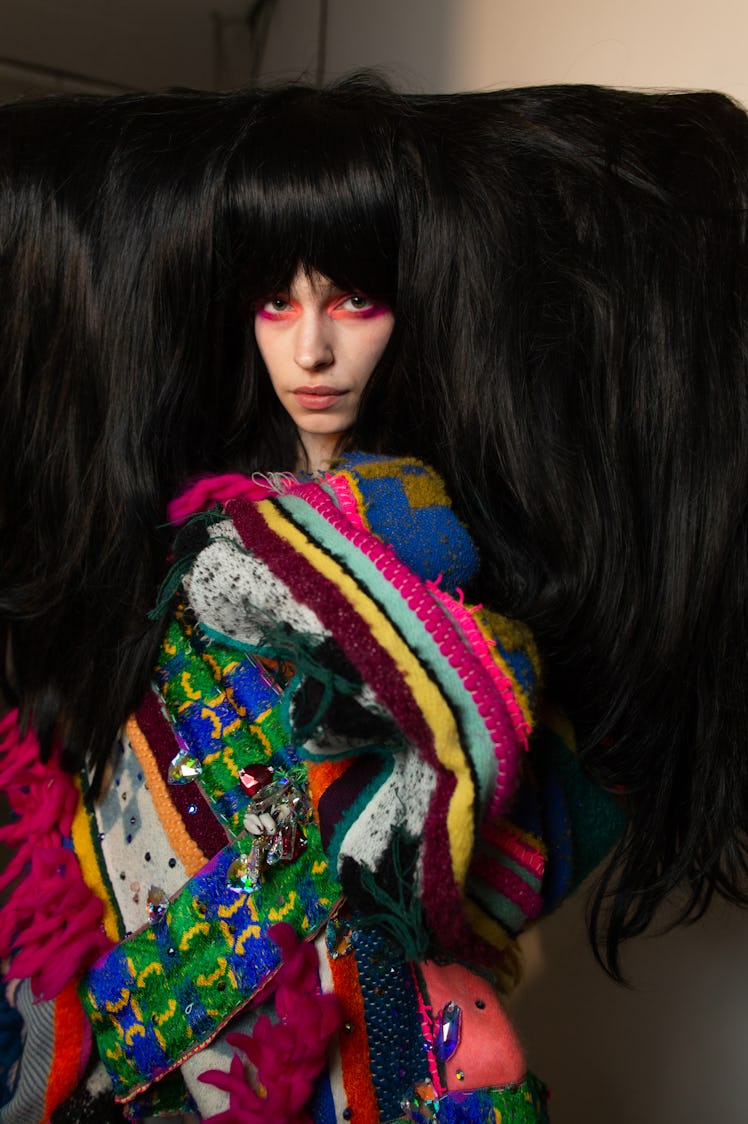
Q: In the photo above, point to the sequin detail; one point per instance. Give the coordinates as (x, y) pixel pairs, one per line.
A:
(184, 768)
(158, 903)
(448, 1028)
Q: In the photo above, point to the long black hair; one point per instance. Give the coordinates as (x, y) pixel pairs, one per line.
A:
(567, 268)
(138, 234)
(316, 189)
(578, 291)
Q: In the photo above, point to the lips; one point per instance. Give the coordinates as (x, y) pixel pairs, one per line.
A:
(318, 397)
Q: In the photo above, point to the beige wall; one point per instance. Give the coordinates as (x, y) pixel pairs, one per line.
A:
(408, 40)
(668, 1049)
(643, 43)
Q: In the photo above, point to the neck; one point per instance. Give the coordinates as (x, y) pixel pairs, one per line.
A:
(318, 450)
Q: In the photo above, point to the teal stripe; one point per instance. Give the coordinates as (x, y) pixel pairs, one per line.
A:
(500, 907)
(476, 740)
(495, 853)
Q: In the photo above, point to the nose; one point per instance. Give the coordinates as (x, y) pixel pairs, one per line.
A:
(313, 346)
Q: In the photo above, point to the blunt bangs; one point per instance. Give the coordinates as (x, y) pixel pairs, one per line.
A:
(314, 186)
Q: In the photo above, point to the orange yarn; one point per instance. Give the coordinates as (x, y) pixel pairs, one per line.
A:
(71, 1039)
(184, 847)
(354, 1044)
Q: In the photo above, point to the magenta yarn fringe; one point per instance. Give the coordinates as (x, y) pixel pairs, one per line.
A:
(50, 927)
(286, 1056)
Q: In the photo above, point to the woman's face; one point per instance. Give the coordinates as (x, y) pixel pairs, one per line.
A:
(320, 345)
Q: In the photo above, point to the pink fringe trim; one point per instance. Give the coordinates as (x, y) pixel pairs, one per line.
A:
(220, 489)
(287, 1056)
(51, 923)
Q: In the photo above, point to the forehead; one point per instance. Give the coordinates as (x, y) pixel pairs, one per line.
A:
(312, 285)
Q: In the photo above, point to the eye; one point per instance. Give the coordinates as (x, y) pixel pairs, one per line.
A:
(356, 302)
(277, 305)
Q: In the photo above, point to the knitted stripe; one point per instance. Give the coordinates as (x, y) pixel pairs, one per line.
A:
(393, 1021)
(484, 644)
(515, 651)
(72, 1044)
(190, 815)
(524, 848)
(348, 495)
(497, 905)
(284, 549)
(354, 1042)
(503, 879)
(190, 855)
(473, 680)
(85, 839)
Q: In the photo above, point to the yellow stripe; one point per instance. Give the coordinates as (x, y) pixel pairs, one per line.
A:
(509, 967)
(356, 491)
(429, 698)
(83, 845)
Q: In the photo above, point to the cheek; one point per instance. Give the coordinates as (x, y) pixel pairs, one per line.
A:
(268, 340)
(378, 332)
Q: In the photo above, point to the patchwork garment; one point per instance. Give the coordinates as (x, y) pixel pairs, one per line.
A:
(299, 894)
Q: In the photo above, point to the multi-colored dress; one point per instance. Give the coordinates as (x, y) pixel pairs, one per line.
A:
(299, 894)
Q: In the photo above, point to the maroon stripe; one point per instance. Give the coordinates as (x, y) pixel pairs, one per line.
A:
(202, 825)
(310, 587)
(441, 896)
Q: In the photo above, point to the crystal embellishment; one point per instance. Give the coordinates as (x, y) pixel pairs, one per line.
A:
(157, 904)
(244, 876)
(254, 777)
(422, 1105)
(448, 1027)
(276, 816)
(339, 937)
(184, 768)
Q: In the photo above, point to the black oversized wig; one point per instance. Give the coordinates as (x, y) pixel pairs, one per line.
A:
(587, 359)
(137, 235)
(314, 188)
(567, 268)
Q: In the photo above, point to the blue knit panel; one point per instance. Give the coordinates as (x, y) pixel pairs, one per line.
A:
(393, 1025)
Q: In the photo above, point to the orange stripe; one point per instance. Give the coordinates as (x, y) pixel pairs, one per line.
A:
(182, 843)
(67, 1062)
(354, 1044)
(321, 775)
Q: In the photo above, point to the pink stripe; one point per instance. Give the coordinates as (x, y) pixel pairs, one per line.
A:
(508, 883)
(482, 649)
(347, 500)
(310, 587)
(487, 691)
(426, 1016)
(506, 839)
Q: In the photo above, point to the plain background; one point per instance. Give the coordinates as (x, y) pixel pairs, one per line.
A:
(670, 1048)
